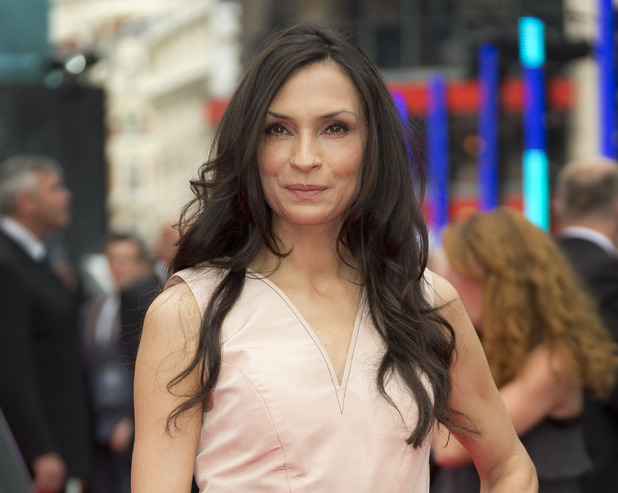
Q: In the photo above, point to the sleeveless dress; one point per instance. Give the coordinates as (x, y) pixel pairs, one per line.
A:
(280, 421)
(557, 449)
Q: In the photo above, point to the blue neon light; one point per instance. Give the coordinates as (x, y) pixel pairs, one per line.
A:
(536, 187)
(488, 124)
(437, 133)
(535, 134)
(535, 163)
(531, 42)
(605, 56)
(400, 104)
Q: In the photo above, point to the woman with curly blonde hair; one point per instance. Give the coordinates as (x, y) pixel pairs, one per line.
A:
(543, 339)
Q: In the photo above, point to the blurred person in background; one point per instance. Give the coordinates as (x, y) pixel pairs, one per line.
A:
(111, 324)
(543, 339)
(42, 380)
(586, 206)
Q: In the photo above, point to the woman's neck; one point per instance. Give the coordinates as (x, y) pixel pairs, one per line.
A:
(313, 255)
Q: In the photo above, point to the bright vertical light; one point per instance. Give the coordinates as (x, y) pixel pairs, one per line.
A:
(531, 42)
(488, 125)
(437, 133)
(400, 104)
(536, 187)
(605, 57)
(534, 162)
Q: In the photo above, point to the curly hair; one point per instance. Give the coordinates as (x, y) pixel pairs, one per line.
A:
(531, 295)
(384, 230)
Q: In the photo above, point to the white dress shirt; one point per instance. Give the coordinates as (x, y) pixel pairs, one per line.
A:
(591, 235)
(32, 245)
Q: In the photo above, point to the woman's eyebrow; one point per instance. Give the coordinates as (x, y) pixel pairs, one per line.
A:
(278, 115)
(321, 117)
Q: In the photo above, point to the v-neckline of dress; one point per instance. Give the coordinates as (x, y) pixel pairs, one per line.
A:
(340, 387)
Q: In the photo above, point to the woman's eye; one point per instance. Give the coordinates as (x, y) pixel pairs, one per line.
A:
(336, 128)
(276, 129)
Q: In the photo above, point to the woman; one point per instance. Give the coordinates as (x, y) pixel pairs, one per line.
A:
(297, 347)
(543, 340)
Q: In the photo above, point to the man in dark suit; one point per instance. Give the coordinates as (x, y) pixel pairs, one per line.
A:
(586, 206)
(42, 384)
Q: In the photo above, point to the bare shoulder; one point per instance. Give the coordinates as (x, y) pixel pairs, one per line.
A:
(176, 296)
(174, 314)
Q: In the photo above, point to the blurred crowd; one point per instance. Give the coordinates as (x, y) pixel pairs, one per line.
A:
(69, 338)
(545, 307)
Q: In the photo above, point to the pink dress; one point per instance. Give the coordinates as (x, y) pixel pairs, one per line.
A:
(279, 419)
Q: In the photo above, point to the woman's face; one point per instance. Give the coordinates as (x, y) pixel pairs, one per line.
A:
(471, 293)
(310, 153)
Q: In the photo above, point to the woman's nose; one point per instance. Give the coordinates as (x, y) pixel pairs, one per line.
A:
(305, 154)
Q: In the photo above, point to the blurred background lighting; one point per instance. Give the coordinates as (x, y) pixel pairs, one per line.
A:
(536, 187)
(76, 64)
(531, 42)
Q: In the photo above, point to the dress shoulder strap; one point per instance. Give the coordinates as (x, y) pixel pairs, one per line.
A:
(428, 285)
(201, 279)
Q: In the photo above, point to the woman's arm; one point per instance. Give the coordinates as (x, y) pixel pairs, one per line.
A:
(542, 389)
(500, 458)
(163, 459)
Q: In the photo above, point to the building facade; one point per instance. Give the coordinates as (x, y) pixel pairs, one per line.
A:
(161, 64)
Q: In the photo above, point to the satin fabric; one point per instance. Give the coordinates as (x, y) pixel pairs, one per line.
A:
(280, 421)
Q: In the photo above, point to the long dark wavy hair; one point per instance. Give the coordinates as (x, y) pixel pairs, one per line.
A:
(228, 221)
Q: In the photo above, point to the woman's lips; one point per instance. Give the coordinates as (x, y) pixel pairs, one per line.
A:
(306, 192)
